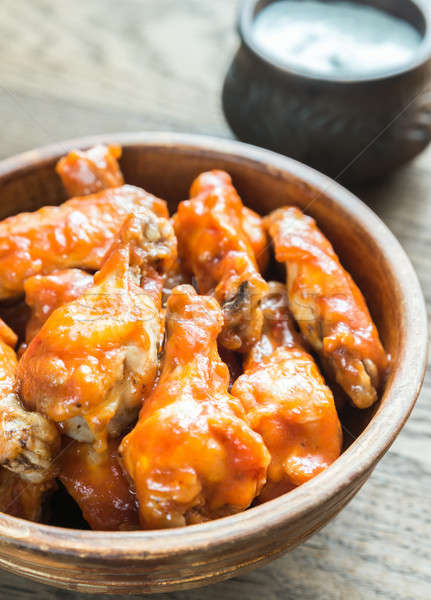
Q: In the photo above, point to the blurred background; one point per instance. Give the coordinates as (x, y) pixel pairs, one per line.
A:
(73, 68)
(98, 66)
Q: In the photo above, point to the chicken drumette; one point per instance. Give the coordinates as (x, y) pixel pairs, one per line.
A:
(287, 402)
(28, 441)
(215, 248)
(88, 172)
(192, 456)
(328, 306)
(93, 359)
(76, 234)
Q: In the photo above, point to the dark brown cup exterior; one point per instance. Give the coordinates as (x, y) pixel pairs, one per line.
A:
(352, 130)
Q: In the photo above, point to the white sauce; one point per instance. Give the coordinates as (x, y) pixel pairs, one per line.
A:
(339, 38)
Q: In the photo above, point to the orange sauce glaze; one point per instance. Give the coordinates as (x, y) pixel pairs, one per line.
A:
(191, 455)
(98, 485)
(287, 402)
(77, 233)
(214, 247)
(88, 172)
(327, 304)
(45, 293)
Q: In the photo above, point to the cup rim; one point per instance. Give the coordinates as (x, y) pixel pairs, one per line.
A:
(245, 29)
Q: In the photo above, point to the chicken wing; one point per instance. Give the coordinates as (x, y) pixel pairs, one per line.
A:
(328, 306)
(287, 402)
(76, 234)
(89, 172)
(252, 224)
(99, 486)
(92, 360)
(191, 455)
(45, 293)
(214, 247)
(28, 441)
(21, 498)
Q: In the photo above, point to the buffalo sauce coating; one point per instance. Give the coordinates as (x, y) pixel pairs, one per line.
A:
(93, 358)
(254, 229)
(88, 172)
(98, 485)
(8, 366)
(214, 247)
(28, 442)
(287, 402)
(191, 455)
(77, 233)
(76, 364)
(251, 223)
(45, 293)
(328, 306)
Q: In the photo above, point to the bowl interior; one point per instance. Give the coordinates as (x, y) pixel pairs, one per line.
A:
(166, 165)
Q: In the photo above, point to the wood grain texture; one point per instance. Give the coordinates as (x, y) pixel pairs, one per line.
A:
(72, 69)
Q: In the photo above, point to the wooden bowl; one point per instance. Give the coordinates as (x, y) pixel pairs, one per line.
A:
(155, 561)
(329, 121)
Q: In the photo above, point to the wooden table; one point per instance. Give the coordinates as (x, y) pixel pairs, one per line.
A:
(83, 67)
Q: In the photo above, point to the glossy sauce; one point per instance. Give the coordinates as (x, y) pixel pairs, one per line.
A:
(328, 306)
(99, 486)
(191, 455)
(219, 243)
(287, 402)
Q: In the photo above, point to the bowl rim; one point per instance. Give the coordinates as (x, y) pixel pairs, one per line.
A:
(245, 26)
(401, 391)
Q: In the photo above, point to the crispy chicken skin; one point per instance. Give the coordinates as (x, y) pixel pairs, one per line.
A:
(28, 441)
(93, 359)
(76, 234)
(287, 402)
(328, 306)
(45, 293)
(214, 247)
(191, 455)
(89, 172)
(20, 498)
(99, 486)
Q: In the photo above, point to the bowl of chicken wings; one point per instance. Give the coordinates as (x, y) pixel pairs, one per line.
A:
(205, 349)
